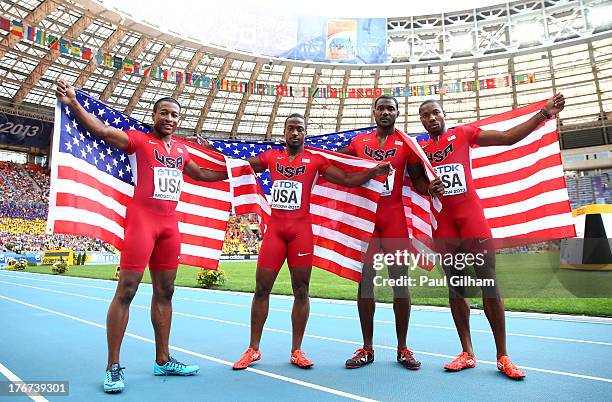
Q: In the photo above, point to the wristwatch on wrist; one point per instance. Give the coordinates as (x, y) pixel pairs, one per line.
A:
(545, 114)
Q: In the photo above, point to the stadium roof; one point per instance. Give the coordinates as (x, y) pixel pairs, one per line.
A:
(338, 8)
(516, 53)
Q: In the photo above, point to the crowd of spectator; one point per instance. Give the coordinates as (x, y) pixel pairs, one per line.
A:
(23, 209)
(24, 191)
(20, 235)
(40, 177)
(241, 236)
(18, 184)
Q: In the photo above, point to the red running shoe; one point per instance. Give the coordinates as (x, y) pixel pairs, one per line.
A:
(251, 355)
(299, 359)
(462, 361)
(508, 368)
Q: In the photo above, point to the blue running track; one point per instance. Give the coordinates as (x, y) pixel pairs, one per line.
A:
(53, 329)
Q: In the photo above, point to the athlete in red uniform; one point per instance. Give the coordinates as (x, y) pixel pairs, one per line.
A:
(293, 171)
(462, 217)
(390, 232)
(151, 228)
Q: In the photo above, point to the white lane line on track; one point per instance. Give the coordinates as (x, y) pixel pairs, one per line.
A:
(562, 373)
(423, 308)
(12, 377)
(200, 355)
(341, 317)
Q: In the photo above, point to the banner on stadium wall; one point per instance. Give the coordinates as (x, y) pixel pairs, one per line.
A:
(354, 41)
(24, 132)
(239, 257)
(101, 258)
(34, 257)
(337, 36)
(51, 256)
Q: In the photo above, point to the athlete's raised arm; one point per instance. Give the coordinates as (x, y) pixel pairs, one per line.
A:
(111, 135)
(517, 133)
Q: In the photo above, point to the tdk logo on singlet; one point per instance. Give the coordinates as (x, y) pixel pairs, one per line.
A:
(448, 169)
(379, 154)
(285, 191)
(167, 161)
(440, 155)
(290, 171)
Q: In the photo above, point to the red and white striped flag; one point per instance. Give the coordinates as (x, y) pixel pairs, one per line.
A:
(92, 185)
(343, 218)
(521, 186)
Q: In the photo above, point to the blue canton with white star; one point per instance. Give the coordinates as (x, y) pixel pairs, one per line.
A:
(75, 140)
(247, 149)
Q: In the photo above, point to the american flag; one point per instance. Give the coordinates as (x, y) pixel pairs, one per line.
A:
(343, 218)
(92, 184)
(522, 186)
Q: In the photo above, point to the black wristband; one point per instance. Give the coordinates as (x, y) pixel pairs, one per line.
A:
(545, 114)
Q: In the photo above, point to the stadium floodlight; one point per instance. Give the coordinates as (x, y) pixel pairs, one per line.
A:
(529, 32)
(461, 43)
(599, 16)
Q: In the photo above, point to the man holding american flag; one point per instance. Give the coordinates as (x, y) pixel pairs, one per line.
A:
(463, 217)
(391, 233)
(151, 227)
(289, 233)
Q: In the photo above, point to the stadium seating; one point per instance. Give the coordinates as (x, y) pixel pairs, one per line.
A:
(585, 190)
(240, 238)
(24, 191)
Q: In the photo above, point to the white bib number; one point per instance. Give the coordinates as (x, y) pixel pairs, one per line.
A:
(286, 195)
(453, 178)
(388, 184)
(168, 183)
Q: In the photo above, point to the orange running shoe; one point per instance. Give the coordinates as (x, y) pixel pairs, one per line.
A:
(508, 368)
(462, 361)
(299, 359)
(251, 355)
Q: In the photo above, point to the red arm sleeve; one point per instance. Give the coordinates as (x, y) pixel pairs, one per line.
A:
(471, 134)
(134, 137)
(264, 158)
(322, 164)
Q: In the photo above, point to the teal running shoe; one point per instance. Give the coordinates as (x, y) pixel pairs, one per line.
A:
(174, 367)
(113, 380)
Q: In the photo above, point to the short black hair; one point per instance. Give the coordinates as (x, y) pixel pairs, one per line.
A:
(292, 115)
(386, 97)
(166, 99)
(428, 101)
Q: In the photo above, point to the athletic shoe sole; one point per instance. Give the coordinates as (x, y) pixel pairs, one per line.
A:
(177, 374)
(302, 367)
(456, 370)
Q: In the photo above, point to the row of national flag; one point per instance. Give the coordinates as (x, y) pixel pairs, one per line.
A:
(107, 60)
